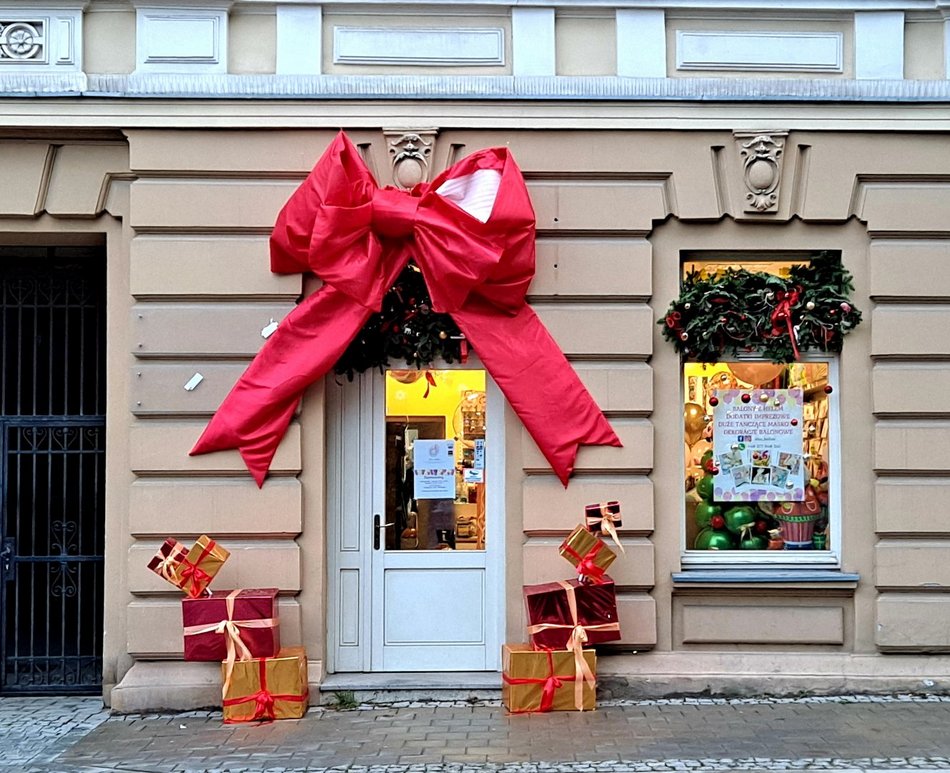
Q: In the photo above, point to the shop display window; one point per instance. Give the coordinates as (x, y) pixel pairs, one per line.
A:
(761, 459)
(435, 459)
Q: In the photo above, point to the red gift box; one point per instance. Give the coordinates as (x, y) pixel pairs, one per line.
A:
(167, 561)
(560, 613)
(229, 625)
(604, 518)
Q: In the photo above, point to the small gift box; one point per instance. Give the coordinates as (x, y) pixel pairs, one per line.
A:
(547, 680)
(266, 688)
(590, 556)
(229, 625)
(167, 561)
(560, 613)
(604, 518)
(199, 567)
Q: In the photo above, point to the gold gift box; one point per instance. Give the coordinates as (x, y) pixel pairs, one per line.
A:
(522, 661)
(580, 544)
(267, 688)
(208, 557)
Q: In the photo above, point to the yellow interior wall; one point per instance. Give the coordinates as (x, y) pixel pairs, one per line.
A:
(450, 385)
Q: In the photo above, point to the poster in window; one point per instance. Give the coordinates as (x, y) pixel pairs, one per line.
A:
(434, 469)
(757, 445)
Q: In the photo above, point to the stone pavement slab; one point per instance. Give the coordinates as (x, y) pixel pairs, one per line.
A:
(843, 733)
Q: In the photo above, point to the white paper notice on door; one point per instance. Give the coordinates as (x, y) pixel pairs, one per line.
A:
(434, 469)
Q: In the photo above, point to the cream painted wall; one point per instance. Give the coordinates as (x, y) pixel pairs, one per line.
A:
(585, 44)
(252, 43)
(109, 40)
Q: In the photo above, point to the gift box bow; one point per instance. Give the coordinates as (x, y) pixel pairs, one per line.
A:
(582, 675)
(231, 629)
(576, 641)
(605, 517)
(264, 700)
(586, 566)
(471, 234)
(168, 566)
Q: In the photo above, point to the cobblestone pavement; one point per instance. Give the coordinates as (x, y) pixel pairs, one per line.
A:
(849, 733)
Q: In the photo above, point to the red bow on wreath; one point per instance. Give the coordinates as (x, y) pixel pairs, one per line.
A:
(783, 313)
(471, 232)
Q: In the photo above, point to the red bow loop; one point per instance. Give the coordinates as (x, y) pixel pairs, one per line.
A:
(471, 232)
(782, 313)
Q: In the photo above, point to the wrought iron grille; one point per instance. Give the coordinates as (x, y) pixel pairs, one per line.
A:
(52, 469)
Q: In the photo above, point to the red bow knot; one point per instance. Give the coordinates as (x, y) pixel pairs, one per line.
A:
(264, 705)
(783, 313)
(196, 574)
(471, 233)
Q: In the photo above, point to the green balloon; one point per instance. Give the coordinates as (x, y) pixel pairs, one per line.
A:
(702, 539)
(753, 542)
(721, 540)
(737, 517)
(704, 513)
(705, 457)
(705, 487)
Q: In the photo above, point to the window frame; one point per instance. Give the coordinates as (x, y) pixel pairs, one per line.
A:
(691, 559)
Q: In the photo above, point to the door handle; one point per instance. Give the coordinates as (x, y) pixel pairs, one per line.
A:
(7, 553)
(378, 526)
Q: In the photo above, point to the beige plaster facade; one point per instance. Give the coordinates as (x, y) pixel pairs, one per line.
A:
(183, 191)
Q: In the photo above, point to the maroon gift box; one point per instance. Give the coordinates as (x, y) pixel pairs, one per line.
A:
(550, 618)
(594, 515)
(253, 614)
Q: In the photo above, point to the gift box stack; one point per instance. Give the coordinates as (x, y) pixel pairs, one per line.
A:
(238, 628)
(556, 671)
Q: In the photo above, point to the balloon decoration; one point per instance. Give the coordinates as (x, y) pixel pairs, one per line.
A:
(694, 418)
(756, 373)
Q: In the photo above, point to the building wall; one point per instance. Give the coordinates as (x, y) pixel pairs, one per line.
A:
(184, 193)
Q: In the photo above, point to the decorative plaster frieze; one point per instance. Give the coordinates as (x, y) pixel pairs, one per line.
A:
(762, 155)
(40, 40)
(409, 153)
(182, 38)
(448, 46)
(759, 51)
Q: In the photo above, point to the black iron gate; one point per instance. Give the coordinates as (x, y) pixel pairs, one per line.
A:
(52, 469)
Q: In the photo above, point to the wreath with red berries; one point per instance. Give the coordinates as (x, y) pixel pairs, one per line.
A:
(406, 330)
(737, 311)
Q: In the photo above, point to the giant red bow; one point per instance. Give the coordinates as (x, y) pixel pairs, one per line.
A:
(471, 231)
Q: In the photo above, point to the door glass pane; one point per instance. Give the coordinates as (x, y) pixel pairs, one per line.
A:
(435, 459)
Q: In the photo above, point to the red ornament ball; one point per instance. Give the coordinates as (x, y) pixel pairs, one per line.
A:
(829, 389)
(714, 470)
(746, 397)
(714, 401)
(717, 522)
(846, 307)
(794, 422)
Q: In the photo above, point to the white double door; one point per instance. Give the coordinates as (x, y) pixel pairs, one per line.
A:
(395, 609)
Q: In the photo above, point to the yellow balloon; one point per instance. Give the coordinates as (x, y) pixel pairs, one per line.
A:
(694, 417)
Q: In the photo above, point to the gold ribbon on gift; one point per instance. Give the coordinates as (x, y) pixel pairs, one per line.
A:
(231, 630)
(169, 564)
(575, 643)
(606, 522)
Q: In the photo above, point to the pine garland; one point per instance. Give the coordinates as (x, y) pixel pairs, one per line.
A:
(739, 311)
(406, 329)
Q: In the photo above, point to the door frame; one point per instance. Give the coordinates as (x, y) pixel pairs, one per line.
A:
(355, 421)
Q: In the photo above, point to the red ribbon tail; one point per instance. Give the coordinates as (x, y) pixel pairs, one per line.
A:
(540, 384)
(256, 413)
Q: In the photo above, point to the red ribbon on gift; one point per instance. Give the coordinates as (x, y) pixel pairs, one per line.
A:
(264, 700)
(551, 682)
(193, 571)
(471, 232)
(585, 565)
(783, 313)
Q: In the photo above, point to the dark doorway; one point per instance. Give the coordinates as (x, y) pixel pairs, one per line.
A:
(52, 468)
